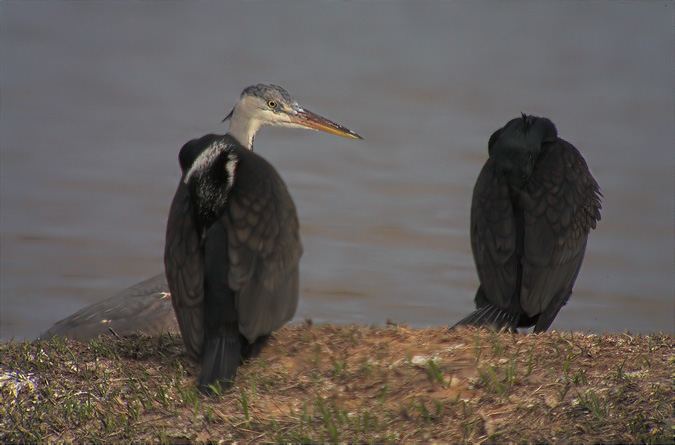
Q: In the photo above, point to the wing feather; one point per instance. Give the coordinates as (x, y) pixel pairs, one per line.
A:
(561, 205)
(493, 236)
(263, 251)
(184, 266)
(264, 247)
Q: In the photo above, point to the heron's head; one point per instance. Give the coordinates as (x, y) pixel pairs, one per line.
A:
(516, 147)
(267, 104)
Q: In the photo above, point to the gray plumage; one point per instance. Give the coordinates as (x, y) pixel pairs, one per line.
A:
(144, 307)
(245, 247)
(533, 206)
(232, 242)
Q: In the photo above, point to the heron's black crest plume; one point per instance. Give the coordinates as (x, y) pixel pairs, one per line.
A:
(228, 117)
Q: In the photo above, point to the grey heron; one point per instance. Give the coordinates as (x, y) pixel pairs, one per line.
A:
(232, 240)
(534, 204)
(144, 307)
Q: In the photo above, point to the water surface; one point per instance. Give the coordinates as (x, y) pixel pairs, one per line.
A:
(98, 97)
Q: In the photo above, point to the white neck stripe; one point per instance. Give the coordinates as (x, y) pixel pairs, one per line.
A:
(204, 159)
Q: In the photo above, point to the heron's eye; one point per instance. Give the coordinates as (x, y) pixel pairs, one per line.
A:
(271, 104)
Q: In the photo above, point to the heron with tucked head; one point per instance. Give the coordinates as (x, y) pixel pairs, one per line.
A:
(534, 204)
(232, 241)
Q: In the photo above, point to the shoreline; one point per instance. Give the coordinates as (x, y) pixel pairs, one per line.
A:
(349, 383)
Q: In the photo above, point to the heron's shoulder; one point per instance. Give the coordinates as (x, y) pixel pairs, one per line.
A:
(194, 148)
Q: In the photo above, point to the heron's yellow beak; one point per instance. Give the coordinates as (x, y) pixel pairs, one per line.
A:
(313, 121)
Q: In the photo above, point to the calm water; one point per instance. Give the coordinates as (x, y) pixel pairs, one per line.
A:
(98, 97)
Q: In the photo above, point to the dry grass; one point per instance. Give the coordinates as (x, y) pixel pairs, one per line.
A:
(348, 383)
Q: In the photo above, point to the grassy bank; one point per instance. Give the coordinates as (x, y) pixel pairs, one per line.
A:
(348, 383)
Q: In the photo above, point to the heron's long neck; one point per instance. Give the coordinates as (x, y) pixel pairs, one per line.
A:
(243, 127)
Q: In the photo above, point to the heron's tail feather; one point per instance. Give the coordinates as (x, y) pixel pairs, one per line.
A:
(490, 316)
(222, 356)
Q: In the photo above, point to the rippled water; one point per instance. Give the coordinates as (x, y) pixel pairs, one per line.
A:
(98, 97)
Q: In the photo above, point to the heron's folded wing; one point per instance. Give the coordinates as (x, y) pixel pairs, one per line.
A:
(264, 247)
(184, 268)
(493, 236)
(561, 206)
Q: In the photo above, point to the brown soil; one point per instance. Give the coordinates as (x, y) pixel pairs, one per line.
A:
(348, 383)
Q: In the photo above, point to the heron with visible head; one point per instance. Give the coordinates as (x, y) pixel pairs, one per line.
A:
(232, 240)
(534, 204)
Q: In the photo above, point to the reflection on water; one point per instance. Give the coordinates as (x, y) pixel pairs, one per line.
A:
(97, 99)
